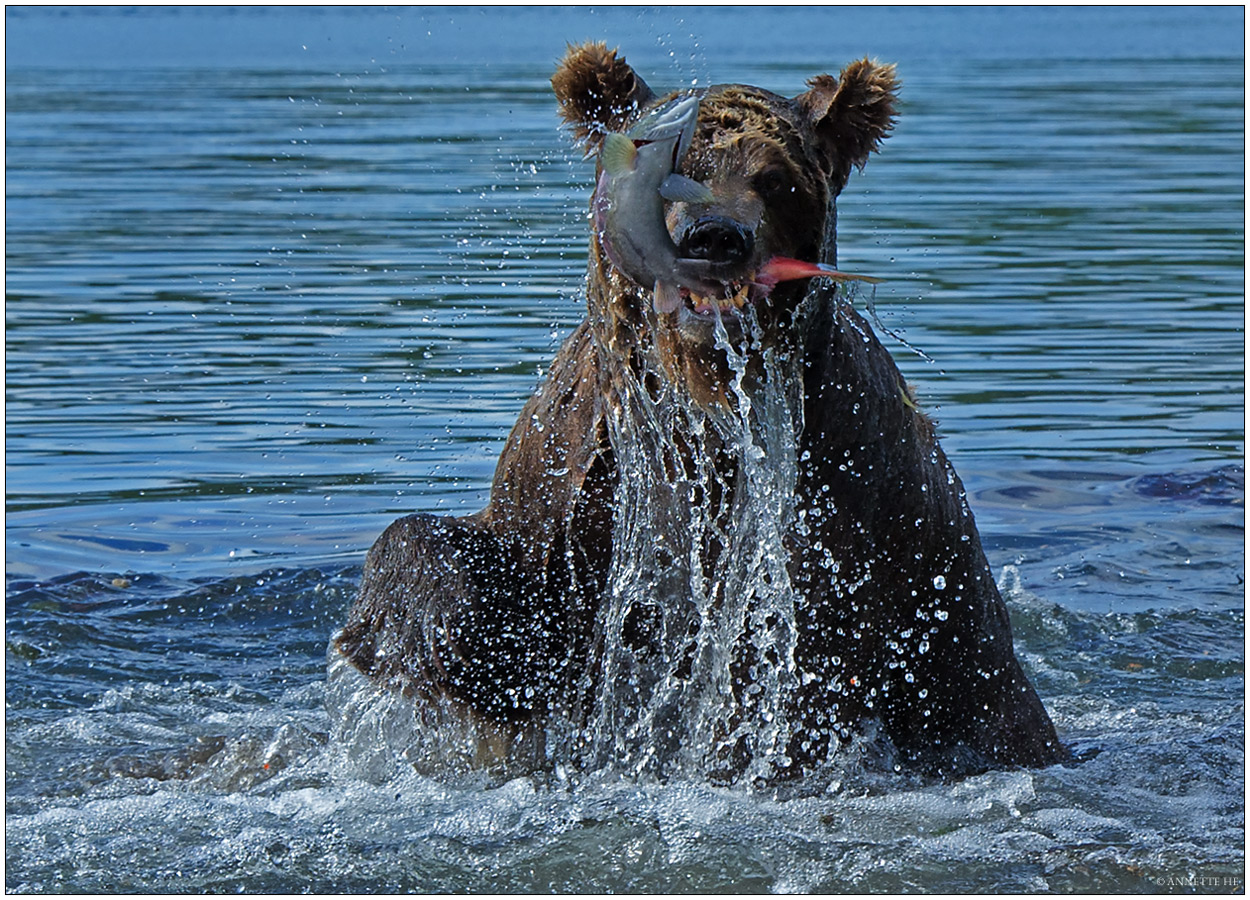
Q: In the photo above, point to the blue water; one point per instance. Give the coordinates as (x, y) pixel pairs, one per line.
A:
(276, 276)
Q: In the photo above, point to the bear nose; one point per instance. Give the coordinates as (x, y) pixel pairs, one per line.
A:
(718, 239)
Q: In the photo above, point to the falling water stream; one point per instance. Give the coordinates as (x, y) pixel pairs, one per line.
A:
(700, 571)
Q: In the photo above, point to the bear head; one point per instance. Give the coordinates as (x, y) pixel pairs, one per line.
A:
(774, 166)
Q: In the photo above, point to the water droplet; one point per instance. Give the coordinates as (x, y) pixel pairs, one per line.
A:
(939, 582)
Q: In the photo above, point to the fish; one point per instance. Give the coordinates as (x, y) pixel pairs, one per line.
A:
(637, 176)
(754, 287)
(784, 268)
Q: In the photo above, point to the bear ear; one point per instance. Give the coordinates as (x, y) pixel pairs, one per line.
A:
(850, 115)
(598, 92)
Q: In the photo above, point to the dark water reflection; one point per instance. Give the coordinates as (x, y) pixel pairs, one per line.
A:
(274, 277)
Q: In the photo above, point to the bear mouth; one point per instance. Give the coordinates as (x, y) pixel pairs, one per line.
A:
(735, 296)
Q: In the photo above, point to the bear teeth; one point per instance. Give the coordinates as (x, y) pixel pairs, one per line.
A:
(736, 300)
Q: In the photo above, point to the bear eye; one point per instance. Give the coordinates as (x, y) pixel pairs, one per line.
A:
(772, 182)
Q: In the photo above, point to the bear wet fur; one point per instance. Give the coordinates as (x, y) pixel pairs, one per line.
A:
(496, 619)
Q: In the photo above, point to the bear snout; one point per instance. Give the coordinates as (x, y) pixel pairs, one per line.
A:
(718, 239)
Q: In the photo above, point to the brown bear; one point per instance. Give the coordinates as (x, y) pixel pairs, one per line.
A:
(723, 539)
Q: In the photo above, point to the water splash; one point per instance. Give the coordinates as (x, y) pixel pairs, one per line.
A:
(870, 304)
(698, 637)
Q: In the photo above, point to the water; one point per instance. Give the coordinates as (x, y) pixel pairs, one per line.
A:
(700, 560)
(275, 277)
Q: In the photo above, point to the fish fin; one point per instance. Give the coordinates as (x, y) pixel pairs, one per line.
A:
(680, 189)
(782, 268)
(618, 154)
(667, 297)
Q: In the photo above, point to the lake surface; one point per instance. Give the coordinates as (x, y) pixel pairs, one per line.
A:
(275, 277)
